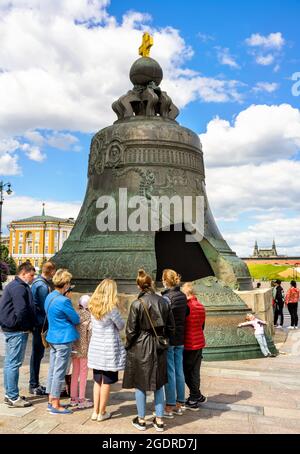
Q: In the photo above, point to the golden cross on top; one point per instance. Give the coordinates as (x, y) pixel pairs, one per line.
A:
(144, 49)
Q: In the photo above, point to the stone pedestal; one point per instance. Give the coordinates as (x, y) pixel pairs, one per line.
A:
(225, 309)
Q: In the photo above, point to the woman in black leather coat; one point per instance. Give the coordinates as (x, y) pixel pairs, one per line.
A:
(146, 369)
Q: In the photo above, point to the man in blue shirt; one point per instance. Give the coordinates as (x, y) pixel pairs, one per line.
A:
(40, 288)
(17, 319)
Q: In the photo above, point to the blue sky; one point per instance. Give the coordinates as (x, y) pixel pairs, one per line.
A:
(63, 63)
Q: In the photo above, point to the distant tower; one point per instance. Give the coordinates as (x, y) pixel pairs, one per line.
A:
(255, 251)
(274, 252)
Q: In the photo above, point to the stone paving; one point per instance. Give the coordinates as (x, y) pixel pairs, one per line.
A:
(250, 396)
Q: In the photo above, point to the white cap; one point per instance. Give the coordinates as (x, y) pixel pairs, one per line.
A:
(84, 301)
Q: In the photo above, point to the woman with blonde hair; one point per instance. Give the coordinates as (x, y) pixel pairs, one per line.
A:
(175, 388)
(146, 363)
(106, 354)
(61, 333)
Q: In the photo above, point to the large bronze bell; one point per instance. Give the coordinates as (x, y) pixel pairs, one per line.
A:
(146, 153)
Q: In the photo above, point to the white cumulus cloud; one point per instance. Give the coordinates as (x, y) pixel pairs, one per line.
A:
(271, 41)
(33, 152)
(8, 145)
(9, 164)
(252, 170)
(283, 229)
(55, 139)
(261, 133)
(20, 207)
(59, 74)
(185, 90)
(205, 37)
(268, 87)
(257, 202)
(9, 158)
(266, 49)
(62, 141)
(63, 63)
(225, 58)
(265, 60)
(246, 188)
(81, 10)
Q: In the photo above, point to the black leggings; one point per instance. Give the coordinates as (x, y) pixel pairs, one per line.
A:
(278, 312)
(191, 366)
(293, 309)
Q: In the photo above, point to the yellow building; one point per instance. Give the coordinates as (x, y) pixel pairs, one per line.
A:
(38, 238)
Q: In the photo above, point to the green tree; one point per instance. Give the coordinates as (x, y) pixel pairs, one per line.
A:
(12, 266)
(4, 271)
(4, 253)
(6, 258)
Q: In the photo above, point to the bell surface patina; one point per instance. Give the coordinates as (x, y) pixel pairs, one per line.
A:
(148, 154)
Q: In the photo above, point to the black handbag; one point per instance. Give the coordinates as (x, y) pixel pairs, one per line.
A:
(162, 343)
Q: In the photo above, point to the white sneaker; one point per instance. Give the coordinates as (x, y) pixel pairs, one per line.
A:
(106, 415)
(290, 327)
(137, 424)
(94, 416)
(159, 427)
(295, 327)
(20, 402)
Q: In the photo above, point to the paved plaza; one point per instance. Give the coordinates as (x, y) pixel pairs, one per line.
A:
(250, 396)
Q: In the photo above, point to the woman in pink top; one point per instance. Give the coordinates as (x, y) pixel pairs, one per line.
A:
(79, 356)
(291, 300)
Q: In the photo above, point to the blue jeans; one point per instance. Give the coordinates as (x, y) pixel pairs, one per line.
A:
(15, 346)
(175, 388)
(261, 339)
(58, 365)
(140, 397)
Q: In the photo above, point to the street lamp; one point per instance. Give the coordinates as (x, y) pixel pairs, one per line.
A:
(8, 192)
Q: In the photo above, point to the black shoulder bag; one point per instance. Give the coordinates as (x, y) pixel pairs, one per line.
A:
(162, 343)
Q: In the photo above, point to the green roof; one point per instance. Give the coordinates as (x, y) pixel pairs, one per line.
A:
(45, 219)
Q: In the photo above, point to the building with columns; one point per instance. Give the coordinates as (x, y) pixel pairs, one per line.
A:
(38, 238)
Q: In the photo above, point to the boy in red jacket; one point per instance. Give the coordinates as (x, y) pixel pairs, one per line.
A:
(194, 342)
